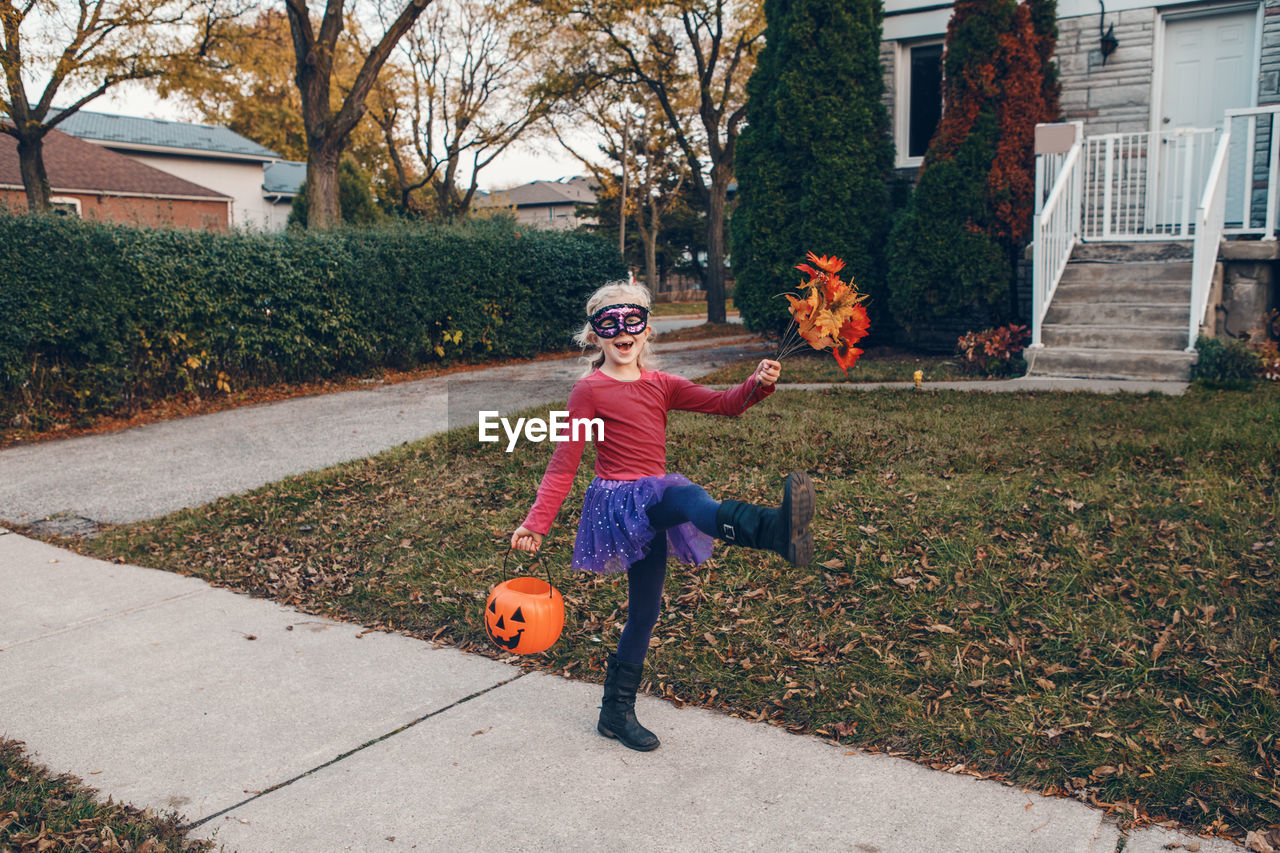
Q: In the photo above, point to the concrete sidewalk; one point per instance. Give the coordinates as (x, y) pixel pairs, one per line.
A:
(274, 730)
(153, 470)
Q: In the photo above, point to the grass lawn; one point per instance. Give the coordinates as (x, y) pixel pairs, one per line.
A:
(1075, 592)
(880, 364)
(40, 811)
(670, 309)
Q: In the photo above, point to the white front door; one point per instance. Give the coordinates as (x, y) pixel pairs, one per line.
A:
(1208, 69)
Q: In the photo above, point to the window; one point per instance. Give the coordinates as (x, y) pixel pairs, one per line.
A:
(919, 105)
(65, 205)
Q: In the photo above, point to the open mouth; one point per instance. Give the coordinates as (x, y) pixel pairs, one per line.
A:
(624, 346)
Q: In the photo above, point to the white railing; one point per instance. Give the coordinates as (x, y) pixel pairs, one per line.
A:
(1143, 186)
(1209, 227)
(1253, 171)
(1055, 230)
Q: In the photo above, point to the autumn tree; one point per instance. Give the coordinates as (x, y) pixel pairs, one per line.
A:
(247, 84)
(87, 47)
(953, 250)
(328, 128)
(815, 155)
(637, 144)
(683, 52)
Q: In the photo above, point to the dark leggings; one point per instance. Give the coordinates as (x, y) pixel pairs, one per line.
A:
(645, 576)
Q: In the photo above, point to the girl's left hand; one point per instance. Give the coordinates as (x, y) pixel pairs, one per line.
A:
(768, 371)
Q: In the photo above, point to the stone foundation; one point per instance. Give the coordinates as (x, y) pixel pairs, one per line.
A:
(1245, 286)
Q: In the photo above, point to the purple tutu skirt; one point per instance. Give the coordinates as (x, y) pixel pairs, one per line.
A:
(615, 531)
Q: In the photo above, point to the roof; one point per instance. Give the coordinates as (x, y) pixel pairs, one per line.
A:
(157, 134)
(575, 190)
(77, 166)
(284, 177)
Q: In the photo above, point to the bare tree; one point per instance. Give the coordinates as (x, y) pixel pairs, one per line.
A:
(93, 44)
(698, 52)
(636, 137)
(327, 129)
(473, 66)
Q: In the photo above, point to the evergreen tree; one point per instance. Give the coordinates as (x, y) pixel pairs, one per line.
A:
(952, 251)
(814, 159)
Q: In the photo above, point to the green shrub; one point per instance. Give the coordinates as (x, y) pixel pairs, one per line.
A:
(814, 158)
(1225, 363)
(102, 319)
(994, 352)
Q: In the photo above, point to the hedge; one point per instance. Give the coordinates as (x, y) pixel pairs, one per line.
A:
(102, 319)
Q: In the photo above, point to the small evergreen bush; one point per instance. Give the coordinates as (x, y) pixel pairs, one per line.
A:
(1225, 363)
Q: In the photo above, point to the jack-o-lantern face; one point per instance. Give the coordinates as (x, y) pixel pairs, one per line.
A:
(524, 615)
(517, 619)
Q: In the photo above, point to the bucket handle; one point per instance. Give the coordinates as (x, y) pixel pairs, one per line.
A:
(536, 557)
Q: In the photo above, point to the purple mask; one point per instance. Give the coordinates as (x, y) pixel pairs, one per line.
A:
(611, 320)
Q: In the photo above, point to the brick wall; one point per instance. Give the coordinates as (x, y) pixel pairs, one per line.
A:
(148, 212)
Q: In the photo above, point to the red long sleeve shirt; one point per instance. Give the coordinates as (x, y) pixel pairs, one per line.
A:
(634, 415)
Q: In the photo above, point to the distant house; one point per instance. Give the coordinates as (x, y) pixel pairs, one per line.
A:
(95, 183)
(544, 204)
(281, 182)
(215, 157)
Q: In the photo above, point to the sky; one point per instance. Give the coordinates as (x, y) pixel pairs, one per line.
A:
(545, 161)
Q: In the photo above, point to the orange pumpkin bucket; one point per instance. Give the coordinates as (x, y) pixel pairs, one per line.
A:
(524, 615)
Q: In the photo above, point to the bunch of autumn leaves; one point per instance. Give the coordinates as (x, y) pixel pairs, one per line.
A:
(830, 315)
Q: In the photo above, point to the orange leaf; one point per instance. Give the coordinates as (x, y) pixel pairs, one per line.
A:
(831, 264)
(845, 357)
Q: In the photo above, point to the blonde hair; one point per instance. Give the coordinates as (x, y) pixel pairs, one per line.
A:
(615, 292)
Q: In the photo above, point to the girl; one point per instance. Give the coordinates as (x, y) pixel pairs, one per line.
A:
(633, 499)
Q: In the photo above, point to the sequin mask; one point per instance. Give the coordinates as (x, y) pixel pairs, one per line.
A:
(612, 320)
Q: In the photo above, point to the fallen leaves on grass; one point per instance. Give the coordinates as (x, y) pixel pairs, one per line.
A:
(1056, 590)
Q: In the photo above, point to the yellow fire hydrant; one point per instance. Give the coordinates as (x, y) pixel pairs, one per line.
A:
(918, 376)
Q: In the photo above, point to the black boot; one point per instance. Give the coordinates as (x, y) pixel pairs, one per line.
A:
(784, 530)
(618, 710)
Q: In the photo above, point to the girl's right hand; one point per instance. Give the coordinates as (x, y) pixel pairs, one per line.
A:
(525, 539)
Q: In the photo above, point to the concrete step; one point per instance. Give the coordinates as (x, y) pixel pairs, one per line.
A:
(1142, 293)
(1117, 314)
(1113, 337)
(1143, 250)
(1153, 365)
(1157, 271)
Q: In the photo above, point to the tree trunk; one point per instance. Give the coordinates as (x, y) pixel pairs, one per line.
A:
(718, 190)
(323, 208)
(650, 237)
(34, 178)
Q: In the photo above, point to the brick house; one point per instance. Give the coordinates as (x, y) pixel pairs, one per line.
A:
(208, 155)
(1157, 203)
(97, 184)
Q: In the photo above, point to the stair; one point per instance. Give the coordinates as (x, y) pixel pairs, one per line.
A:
(1120, 312)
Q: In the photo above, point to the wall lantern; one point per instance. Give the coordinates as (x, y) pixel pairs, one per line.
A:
(1109, 42)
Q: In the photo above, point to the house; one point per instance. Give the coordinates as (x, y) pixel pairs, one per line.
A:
(95, 183)
(1156, 203)
(215, 157)
(544, 204)
(281, 182)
